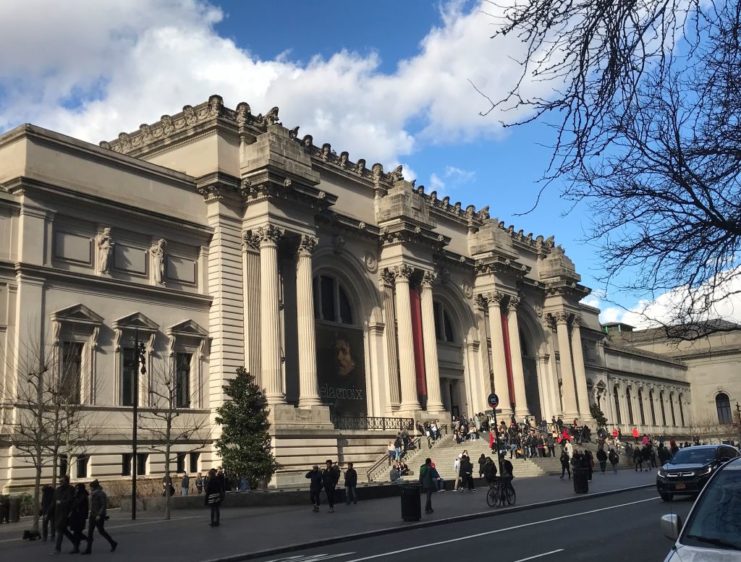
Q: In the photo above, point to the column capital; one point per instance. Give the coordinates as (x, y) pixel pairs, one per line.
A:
(250, 240)
(306, 245)
(386, 278)
(560, 317)
(513, 303)
(428, 279)
(577, 321)
(269, 235)
(402, 273)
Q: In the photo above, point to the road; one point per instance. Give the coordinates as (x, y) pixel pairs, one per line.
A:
(618, 527)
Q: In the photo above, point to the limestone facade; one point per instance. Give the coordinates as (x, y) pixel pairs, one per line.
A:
(220, 238)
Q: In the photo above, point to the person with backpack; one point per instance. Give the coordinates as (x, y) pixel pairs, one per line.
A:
(613, 458)
(315, 487)
(428, 477)
(98, 517)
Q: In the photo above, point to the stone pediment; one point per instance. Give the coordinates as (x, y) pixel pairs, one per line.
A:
(189, 328)
(79, 314)
(136, 321)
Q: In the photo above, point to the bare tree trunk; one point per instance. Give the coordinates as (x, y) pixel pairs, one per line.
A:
(37, 494)
(168, 446)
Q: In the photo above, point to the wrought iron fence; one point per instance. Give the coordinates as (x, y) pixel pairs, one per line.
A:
(372, 423)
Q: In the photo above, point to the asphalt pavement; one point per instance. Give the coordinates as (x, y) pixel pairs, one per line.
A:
(247, 532)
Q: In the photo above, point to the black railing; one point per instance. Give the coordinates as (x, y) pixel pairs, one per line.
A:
(373, 423)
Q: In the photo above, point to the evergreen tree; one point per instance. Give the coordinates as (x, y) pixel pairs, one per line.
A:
(244, 444)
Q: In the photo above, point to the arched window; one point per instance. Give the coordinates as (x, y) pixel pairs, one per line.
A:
(331, 303)
(723, 405)
(628, 400)
(617, 404)
(443, 324)
(640, 406)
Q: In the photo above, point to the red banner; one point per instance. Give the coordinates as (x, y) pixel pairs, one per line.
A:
(419, 345)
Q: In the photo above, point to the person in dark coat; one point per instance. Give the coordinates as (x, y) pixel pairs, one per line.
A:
(214, 496)
(330, 477)
(466, 472)
(428, 477)
(565, 467)
(98, 517)
(482, 463)
(47, 501)
(61, 508)
(315, 486)
(77, 518)
(614, 459)
(351, 483)
(602, 459)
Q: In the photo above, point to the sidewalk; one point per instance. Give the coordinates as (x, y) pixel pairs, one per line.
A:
(188, 537)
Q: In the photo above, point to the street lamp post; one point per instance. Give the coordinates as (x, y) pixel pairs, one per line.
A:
(140, 353)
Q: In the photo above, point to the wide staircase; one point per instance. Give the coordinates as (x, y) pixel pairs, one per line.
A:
(444, 451)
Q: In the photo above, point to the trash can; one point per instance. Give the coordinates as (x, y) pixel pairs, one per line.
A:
(581, 480)
(4, 509)
(14, 509)
(411, 502)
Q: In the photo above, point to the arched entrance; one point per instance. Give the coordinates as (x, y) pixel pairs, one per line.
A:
(535, 372)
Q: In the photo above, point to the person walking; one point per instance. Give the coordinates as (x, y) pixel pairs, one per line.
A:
(565, 464)
(482, 462)
(77, 518)
(602, 459)
(185, 485)
(98, 517)
(214, 496)
(330, 477)
(63, 496)
(315, 486)
(351, 483)
(47, 513)
(428, 477)
(613, 458)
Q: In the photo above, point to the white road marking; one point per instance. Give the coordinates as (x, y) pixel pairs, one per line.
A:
(496, 531)
(540, 555)
(310, 558)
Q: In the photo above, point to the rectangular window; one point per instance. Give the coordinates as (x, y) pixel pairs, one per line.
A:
(182, 380)
(194, 457)
(71, 375)
(180, 463)
(82, 466)
(128, 375)
(141, 463)
(126, 464)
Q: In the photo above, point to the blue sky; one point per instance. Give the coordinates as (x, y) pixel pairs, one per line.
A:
(386, 80)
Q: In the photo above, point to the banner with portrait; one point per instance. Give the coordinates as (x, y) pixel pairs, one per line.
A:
(341, 369)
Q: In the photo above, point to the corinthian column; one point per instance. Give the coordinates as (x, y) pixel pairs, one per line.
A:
(579, 371)
(272, 378)
(307, 374)
(409, 401)
(518, 373)
(568, 390)
(434, 399)
(499, 361)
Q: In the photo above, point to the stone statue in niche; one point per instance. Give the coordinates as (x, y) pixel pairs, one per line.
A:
(158, 254)
(104, 247)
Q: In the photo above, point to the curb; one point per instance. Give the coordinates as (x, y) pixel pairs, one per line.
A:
(422, 525)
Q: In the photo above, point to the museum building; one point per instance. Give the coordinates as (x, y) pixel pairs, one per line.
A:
(221, 239)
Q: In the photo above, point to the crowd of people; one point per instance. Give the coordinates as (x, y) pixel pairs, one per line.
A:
(327, 479)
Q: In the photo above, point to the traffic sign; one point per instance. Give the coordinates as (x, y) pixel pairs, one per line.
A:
(493, 400)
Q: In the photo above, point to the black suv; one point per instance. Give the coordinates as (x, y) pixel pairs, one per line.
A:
(690, 469)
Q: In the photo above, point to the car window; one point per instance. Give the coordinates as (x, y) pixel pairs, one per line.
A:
(693, 456)
(729, 453)
(716, 519)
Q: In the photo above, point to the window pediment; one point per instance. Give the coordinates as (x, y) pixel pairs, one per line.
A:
(136, 321)
(78, 314)
(189, 328)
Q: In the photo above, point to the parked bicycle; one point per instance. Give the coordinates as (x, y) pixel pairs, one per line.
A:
(501, 492)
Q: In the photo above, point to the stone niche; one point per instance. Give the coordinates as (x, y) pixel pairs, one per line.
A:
(402, 202)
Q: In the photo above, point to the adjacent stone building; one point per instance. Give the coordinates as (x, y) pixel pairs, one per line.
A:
(220, 238)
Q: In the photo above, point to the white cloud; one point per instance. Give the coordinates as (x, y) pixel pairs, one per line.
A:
(92, 69)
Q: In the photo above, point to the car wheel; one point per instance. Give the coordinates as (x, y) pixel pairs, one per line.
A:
(667, 497)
